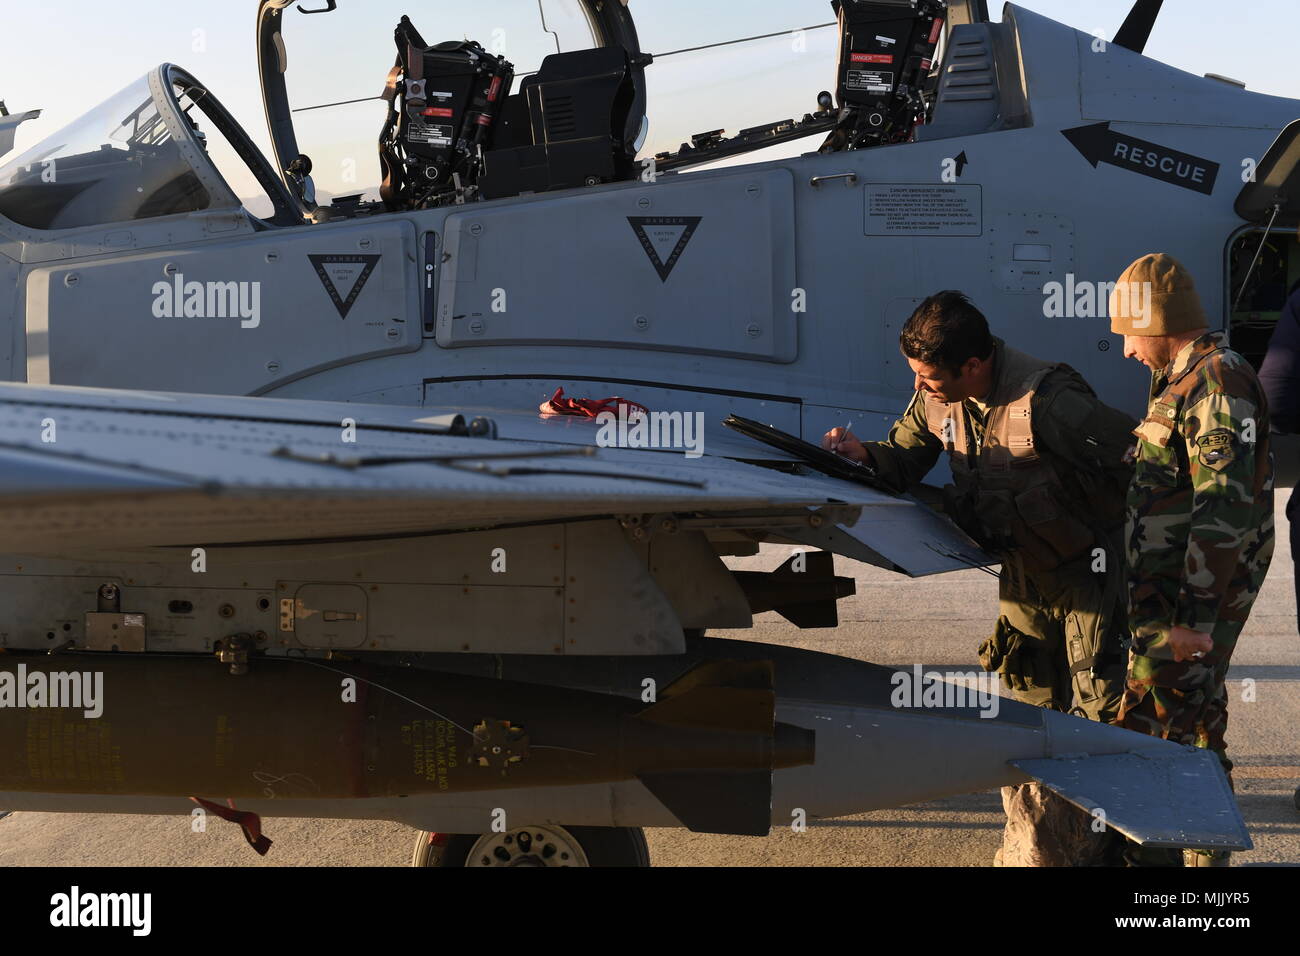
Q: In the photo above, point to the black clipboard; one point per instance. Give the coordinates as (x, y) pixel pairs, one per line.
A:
(827, 462)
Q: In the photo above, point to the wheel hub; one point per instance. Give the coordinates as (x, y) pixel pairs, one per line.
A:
(527, 846)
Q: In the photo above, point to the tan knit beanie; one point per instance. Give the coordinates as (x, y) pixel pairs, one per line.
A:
(1156, 296)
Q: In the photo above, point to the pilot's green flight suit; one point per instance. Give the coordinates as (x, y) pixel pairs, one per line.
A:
(1039, 478)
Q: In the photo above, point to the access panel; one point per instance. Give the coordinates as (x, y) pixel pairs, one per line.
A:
(696, 263)
(225, 316)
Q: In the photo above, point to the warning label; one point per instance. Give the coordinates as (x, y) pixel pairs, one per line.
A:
(344, 276)
(432, 135)
(924, 210)
(664, 239)
(870, 81)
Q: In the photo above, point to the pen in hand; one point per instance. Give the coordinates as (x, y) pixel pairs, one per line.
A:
(847, 428)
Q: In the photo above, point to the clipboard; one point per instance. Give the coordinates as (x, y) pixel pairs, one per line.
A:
(827, 462)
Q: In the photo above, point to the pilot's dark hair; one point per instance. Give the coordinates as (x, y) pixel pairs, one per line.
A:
(946, 330)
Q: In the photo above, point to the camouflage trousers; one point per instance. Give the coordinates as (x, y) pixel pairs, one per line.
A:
(1059, 643)
(1183, 701)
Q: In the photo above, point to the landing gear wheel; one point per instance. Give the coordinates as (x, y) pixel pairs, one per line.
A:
(548, 845)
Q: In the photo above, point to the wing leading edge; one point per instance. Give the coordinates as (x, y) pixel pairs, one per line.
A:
(93, 469)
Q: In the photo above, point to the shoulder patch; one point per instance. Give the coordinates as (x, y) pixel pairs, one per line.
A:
(1217, 449)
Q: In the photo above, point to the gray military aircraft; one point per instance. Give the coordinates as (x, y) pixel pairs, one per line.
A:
(330, 444)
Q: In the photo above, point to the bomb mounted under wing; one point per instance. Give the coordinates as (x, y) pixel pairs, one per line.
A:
(340, 732)
(256, 645)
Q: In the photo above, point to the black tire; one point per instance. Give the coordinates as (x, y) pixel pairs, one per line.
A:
(603, 846)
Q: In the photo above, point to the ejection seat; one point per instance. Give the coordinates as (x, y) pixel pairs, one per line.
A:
(576, 122)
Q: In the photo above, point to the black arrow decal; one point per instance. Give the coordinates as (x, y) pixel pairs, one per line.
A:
(962, 162)
(1099, 144)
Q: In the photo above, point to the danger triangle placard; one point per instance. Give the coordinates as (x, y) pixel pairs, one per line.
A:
(344, 276)
(664, 239)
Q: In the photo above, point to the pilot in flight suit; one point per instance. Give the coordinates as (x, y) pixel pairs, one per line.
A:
(1039, 477)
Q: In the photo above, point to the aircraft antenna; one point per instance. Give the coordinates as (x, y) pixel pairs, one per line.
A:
(1139, 23)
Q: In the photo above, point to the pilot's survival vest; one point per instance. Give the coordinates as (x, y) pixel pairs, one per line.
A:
(1008, 496)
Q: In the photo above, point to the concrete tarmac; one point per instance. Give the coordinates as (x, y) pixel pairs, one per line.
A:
(893, 620)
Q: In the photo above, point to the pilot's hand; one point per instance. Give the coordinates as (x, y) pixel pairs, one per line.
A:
(845, 443)
(1189, 645)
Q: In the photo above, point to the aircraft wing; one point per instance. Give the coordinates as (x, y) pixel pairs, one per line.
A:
(85, 470)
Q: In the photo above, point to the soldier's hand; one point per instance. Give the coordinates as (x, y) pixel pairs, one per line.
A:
(1189, 645)
(845, 443)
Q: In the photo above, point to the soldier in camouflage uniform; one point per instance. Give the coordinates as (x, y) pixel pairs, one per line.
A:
(1200, 513)
(1039, 480)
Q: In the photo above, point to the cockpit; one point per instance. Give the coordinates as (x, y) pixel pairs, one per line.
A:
(507, 98)
(538, 95)
(162, 146)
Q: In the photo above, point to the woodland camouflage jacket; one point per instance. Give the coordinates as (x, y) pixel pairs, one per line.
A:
(1200, 509)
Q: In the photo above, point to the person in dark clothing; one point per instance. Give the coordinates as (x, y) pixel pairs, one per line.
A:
(1280, 373)
(1280, 376)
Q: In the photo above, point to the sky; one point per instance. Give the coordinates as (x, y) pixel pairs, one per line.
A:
(346, 55)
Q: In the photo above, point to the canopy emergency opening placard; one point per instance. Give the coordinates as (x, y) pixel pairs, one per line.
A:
(901, 209)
